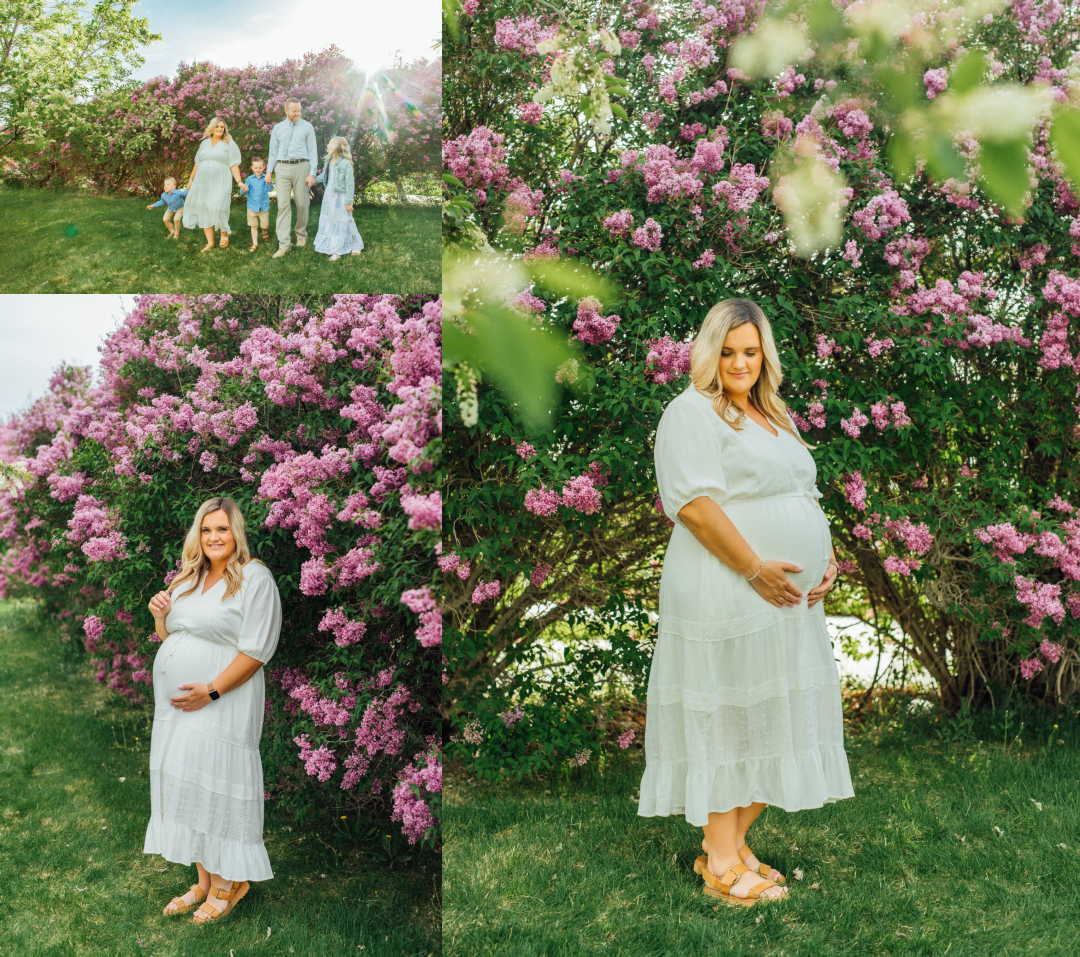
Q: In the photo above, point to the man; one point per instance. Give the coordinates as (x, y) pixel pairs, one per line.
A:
(294, 158)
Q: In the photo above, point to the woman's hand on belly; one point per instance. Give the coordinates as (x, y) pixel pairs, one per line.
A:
(820, 591)
(197, 697)
(773, 585)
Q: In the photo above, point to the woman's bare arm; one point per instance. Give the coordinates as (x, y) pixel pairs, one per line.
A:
(239, 670)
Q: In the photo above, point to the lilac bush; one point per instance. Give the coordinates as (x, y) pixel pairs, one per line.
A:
(130, 139)
(321, 417)
(929, 348)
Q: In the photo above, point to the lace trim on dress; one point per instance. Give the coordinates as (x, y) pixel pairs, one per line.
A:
(207, 782)
(778, 689)
(179, 800)
(768, 617)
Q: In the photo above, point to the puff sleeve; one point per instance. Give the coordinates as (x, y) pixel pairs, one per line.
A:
(262, 614)
(687, 456)
(202, 151)
(234, 153)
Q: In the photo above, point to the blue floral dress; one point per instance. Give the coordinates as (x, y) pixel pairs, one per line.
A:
(337, 235)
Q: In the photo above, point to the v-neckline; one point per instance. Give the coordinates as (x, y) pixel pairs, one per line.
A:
(760, 426)
(206, 591)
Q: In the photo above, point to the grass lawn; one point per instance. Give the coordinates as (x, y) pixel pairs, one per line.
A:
(74, 802)
(54, 241)
(942, 851)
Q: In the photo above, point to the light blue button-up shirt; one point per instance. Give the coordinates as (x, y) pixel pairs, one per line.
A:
(174, 200)
(289, 141)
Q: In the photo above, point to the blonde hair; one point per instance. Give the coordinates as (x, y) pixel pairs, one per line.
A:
(170, 179)
(705, 364)
(339, 146)
(194, 561)
(209, 131)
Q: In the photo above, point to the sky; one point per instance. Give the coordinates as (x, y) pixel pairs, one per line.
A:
(38, 333)
(233, 34)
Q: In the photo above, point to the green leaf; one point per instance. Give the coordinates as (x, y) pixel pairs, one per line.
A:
(1005, 174)
(1065, 135)
(452, 180)
(516, 356)
(942, 157)
(619, 111)
(968, 72)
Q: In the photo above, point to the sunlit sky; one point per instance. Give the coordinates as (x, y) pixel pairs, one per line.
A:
(233, 34)
(38, 333)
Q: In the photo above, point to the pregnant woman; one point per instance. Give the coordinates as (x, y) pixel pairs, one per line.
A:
(744, 704)
(206, 780)
(210, 193)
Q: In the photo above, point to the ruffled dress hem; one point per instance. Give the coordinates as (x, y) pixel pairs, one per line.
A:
(184, 845)
(796, 783)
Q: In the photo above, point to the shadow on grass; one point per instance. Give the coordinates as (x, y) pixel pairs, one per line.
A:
(952, 844)
(66, 241)
(74, 802)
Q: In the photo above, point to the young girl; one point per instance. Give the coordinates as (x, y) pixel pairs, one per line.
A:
(337, 233)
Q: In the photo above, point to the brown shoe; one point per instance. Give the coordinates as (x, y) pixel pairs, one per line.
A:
(228, 897)
(182, 905)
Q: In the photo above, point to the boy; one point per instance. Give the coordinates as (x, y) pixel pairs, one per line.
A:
(258, 202)
(173, 200)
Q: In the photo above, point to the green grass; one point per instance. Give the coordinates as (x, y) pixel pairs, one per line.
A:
(74, 802)
(55, 241)
(912, 865)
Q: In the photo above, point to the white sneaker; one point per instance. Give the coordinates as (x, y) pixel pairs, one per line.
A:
(281, 252)
(301, 242)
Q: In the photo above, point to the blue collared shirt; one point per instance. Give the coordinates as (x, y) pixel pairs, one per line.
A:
(174, 200)
(258, 194)
(290, 140)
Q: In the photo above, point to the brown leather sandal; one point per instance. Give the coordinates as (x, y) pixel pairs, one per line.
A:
(721, 886)
(182, 907)
(207, 247)
(208, 912)
(224, 241)
(762, 870)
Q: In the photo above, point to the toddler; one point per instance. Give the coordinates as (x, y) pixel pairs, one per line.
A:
(173, 200)
(258, 202)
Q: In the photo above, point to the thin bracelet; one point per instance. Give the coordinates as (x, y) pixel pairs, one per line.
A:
(758, 572)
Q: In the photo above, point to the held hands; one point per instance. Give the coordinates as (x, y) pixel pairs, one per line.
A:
(267, 178)
(244, 187)
(160, 604)
(773, 585)
(197, 697)
(310, 181)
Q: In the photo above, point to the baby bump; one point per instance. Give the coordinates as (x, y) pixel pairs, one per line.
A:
(184, 658)
(791, 529)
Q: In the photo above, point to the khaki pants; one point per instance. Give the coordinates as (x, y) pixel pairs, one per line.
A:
(171, 214)
(289, 179)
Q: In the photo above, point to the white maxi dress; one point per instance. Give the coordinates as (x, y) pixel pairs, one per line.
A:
(208, 201)
(206, 777)
(744, 697)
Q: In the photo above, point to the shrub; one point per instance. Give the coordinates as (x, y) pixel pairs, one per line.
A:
(129, 139)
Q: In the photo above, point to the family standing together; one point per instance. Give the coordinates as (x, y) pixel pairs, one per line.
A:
(290, 166)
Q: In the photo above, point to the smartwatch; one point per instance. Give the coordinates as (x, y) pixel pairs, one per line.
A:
(214, 695)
